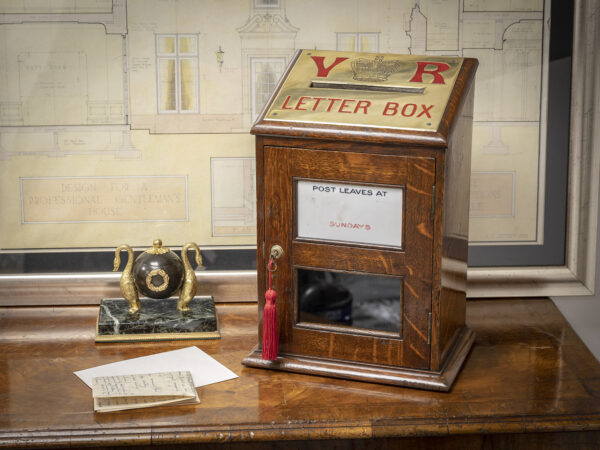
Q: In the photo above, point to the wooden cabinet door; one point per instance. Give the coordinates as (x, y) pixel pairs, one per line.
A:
(319, 266)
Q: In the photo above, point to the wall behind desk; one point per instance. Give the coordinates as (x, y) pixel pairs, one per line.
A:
(583, 313)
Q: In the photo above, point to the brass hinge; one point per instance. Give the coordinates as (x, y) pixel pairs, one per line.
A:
(433, 202)
(428, 328)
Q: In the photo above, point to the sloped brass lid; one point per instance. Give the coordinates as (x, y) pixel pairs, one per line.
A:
(366, 89)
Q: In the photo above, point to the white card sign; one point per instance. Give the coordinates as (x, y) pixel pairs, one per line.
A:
(363, 214)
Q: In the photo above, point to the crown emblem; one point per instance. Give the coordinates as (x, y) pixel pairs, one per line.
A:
(374, 70)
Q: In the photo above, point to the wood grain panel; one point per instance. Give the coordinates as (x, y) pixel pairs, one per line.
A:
(417, 176)
(455, 232)
(356, 167)
(336, 257)
(278, 222)
(419, 251)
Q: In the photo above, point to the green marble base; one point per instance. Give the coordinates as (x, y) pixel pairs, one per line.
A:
(158, 319)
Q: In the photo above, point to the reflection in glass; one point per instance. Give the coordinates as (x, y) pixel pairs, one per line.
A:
(368, 42)
(166, 45)
(267, 3)
(188, 85)
(357, 42)
(187, 45)
(346, 42)
(363, 301)
(265, 74)
(177, 65)
(167, 85)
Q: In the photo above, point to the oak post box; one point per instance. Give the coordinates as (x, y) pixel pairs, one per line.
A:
(363, 168)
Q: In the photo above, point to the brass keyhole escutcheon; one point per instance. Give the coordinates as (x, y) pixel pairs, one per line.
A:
(276, 251)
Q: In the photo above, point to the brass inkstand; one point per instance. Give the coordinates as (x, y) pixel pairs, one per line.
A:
(170, 309)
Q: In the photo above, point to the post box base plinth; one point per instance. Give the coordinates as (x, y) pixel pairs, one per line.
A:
(399, 376)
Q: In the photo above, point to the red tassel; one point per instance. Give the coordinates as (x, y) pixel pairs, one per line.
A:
(270, 338)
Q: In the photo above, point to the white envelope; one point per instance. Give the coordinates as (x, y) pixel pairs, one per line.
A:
(204, 369)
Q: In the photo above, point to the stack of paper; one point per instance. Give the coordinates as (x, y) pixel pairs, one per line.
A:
(117, 393)
(137, 383)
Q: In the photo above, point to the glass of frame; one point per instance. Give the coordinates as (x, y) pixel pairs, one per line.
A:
(149, 138)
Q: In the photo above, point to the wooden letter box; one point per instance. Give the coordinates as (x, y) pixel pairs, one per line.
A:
(363, 164)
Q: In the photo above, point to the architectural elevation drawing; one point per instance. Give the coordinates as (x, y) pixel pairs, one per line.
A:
(112, 110)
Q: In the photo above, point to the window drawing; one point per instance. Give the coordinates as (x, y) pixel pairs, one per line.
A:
(357, 42)
(265, 74)
(233, 204)
(177, 67)
(267, 3)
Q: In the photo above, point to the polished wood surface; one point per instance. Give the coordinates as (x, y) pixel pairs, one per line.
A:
(528, 383)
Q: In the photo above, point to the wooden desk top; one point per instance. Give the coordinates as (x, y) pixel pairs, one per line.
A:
(528, 371)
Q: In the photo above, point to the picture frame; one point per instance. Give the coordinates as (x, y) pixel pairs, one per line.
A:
(577, 275)
(574, 277)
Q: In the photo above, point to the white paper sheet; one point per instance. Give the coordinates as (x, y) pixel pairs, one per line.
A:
(367, 214)
(205, 370)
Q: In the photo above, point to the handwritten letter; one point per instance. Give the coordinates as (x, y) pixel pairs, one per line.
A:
(120, 392)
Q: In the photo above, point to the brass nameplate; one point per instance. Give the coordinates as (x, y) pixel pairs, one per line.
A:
(367, 89)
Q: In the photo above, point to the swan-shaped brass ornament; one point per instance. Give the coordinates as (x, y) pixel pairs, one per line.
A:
(158, 298)
(127, 283)
(158, 273)
(190, 283)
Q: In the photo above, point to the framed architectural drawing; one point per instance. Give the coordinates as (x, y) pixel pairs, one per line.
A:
(127, 120)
